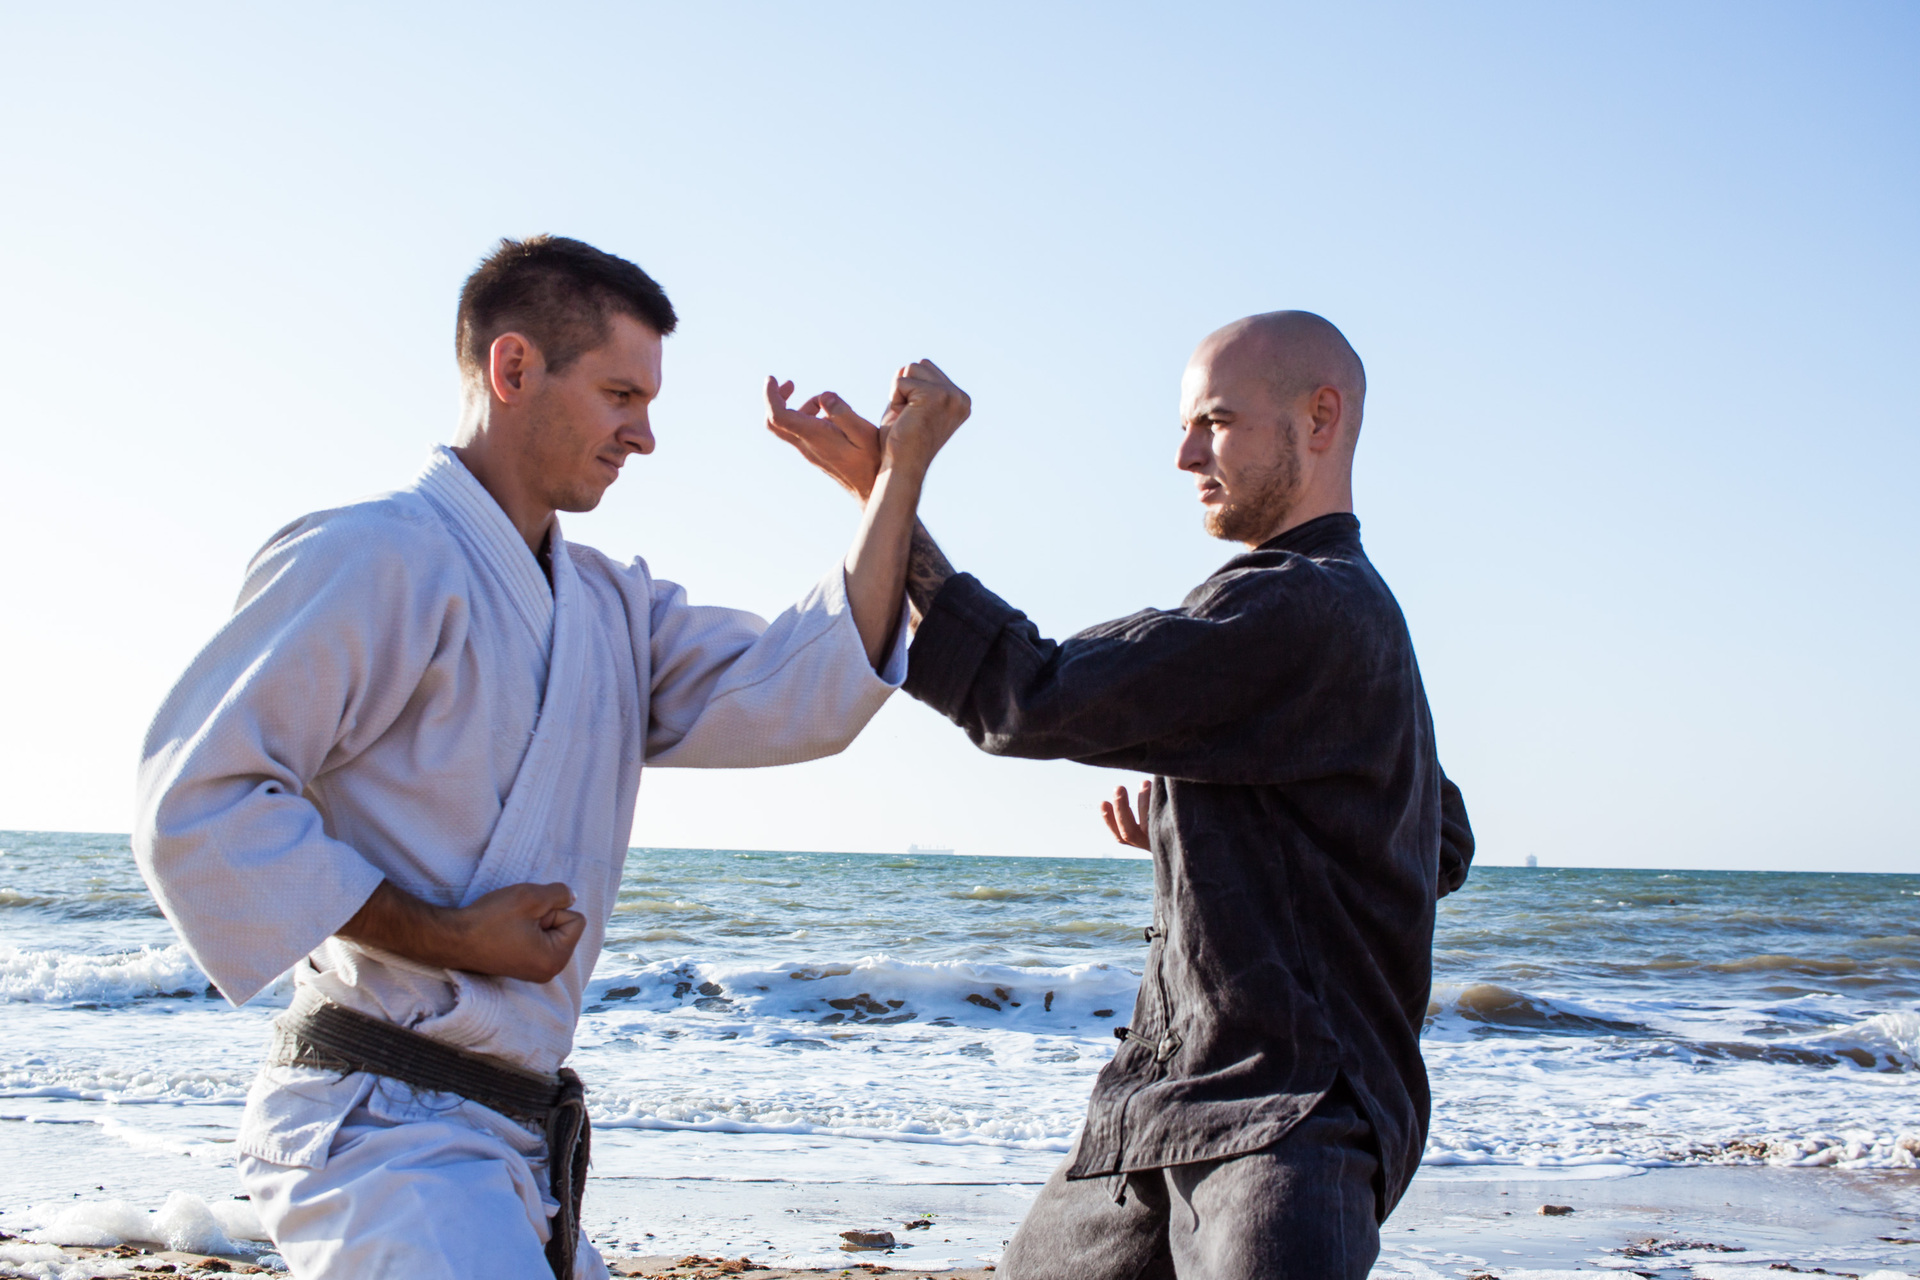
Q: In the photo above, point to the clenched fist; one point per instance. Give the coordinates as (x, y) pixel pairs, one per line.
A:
(926, 409)
(524, 931)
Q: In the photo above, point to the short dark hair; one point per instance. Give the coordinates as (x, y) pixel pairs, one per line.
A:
(560, 293)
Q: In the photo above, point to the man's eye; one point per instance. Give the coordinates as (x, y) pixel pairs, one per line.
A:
(621, 397)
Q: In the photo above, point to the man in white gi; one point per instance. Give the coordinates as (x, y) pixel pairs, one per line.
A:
(407, 768)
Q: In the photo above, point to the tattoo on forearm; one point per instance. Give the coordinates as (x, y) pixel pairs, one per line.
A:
(927, 571)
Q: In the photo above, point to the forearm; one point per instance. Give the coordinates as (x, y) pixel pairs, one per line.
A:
(394, 920)
(1150, 691)
(927, 571)
(877, 562)
(523, 931)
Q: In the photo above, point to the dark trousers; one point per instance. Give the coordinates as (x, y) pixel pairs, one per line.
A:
(1302, 1209)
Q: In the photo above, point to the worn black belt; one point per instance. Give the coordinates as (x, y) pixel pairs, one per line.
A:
(315, 1032)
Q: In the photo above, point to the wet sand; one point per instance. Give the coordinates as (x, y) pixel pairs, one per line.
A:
(1736, 1223)
(1699, 1221)
(1715, 1223)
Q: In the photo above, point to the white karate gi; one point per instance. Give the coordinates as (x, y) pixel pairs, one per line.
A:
(400, 695)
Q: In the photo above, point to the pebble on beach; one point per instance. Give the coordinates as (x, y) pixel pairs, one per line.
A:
(868, 1239)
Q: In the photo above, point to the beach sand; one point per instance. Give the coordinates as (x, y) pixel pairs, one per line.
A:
(1714, 1223)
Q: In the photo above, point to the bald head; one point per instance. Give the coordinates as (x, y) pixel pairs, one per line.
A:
(1297, 352)
(1270, 411)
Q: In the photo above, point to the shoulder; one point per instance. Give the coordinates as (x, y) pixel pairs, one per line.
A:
(1334, 583)
(399, 523)
(390, 540)
(1272, 575)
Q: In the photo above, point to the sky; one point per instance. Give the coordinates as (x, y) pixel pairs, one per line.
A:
(1635, 285)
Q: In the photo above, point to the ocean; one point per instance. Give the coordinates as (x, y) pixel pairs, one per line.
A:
(937, 1021)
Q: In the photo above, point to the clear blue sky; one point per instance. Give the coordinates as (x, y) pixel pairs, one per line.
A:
(1636, 286)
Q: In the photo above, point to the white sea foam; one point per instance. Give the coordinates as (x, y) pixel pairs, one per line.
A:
(57, 976)
(48, 1262)
(953, 1054)
(1887, 1041)
(185, 1222)
(122, 1082)
(880, 991)
(1685, 1086)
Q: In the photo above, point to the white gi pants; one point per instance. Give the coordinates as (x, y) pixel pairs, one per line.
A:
(427, 1194)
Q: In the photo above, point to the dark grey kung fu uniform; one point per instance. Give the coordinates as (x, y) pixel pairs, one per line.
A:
(1301, 830)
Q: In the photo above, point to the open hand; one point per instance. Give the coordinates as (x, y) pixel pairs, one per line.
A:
(830, 435)
(1126, 828)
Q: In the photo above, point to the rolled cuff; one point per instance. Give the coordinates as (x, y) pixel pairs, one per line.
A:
(839, 605)
(960, 627)
(893, 672)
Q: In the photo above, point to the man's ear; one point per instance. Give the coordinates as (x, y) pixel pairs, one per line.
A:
(513, 365)
(1325, 411)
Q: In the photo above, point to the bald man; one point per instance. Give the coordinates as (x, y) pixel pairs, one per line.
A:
(1267, 1105)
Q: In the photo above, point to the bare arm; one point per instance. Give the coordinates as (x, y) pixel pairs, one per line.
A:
(523, 931)
(927, 571)
(829, 434)
(877, 561)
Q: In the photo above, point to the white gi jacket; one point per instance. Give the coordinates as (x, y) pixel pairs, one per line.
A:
(399, 694)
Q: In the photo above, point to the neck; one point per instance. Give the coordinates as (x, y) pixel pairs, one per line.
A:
(482, 453)
(1310, 507)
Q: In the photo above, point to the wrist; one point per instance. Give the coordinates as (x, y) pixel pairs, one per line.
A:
(449, 935)
(903, 467)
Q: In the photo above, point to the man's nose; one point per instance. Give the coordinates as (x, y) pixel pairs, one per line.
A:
(1196, 450)
(638, 436)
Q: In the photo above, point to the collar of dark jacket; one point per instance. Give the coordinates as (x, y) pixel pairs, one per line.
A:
(1317, 533)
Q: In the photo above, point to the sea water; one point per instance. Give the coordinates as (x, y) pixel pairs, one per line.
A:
(936, 1020)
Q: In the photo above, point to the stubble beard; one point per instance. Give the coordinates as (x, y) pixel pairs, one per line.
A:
(1254, 518)
(554, 456)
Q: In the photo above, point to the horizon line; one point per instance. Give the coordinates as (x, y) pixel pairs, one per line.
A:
(1077, 857)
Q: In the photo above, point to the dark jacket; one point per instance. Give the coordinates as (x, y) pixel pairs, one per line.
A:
(1301, 831)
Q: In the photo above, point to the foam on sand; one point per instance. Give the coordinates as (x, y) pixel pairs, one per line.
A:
(185, 1223)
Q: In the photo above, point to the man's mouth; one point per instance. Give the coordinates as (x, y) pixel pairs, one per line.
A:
(1211, 491)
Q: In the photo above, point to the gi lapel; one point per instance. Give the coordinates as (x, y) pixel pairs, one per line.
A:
(554, 623)
(520, 838)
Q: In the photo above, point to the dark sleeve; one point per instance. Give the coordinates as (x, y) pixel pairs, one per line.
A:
(1456, 838)
(1151, 691)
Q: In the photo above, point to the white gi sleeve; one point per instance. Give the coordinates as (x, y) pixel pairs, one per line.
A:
(730, 690)
(328, 641)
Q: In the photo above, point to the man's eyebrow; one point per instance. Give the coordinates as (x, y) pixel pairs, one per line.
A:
(626, 384)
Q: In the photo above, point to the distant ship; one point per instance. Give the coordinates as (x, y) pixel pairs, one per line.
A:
(914, 848)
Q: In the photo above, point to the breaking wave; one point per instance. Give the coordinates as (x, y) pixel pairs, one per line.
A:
(1886, 1042)
(1502, 1008)
(59, 977)
(878, 991)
